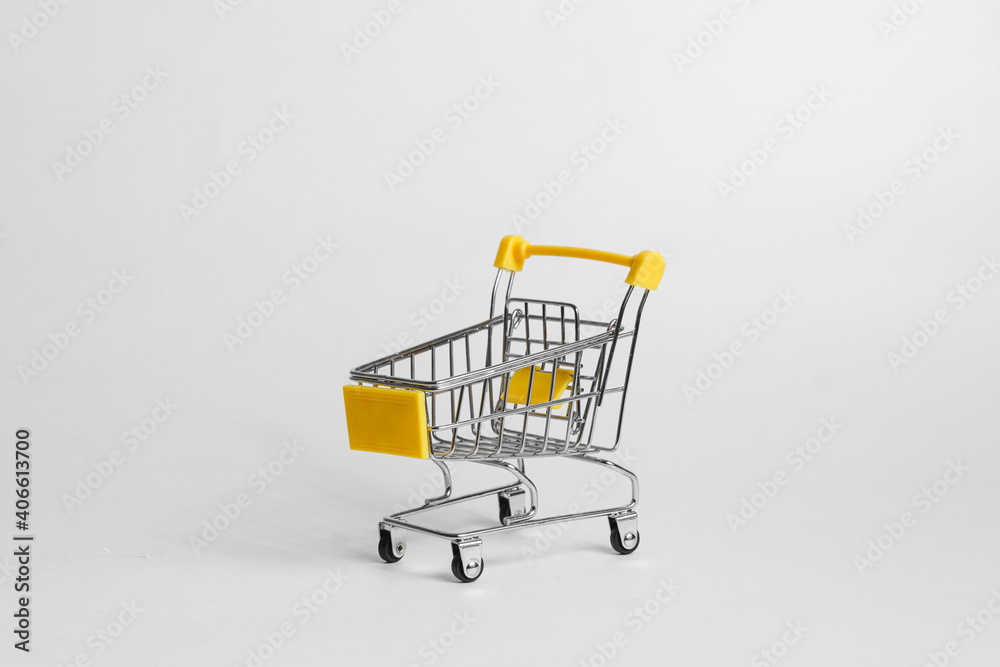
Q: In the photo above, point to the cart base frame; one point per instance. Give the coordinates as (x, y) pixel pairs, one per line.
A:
(518, 509)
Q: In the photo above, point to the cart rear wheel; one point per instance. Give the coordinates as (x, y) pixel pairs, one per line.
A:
(504, 507)
(624, 544)
(513, 504)
(385, 548)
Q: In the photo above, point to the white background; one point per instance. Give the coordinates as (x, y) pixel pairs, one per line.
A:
(540, 600)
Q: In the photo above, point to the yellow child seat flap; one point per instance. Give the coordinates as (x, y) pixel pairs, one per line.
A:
(517, 388)
(387, 421)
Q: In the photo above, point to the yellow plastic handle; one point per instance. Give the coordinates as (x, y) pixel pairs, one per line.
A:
(645, 268)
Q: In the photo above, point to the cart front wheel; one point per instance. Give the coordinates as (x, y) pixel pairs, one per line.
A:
(466, 575)
(624, 544)
(469, 569)
(388, 552)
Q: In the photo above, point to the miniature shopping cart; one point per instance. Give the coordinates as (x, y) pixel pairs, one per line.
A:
(527, 383)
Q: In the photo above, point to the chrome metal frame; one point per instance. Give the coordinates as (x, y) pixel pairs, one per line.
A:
(470, 420)
(401, 519)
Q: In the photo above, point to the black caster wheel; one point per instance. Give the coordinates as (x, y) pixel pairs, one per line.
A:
(504, 507)
(623, 546)
(385, 548)
(465, 575)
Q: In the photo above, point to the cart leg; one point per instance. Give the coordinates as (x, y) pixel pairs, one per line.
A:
(624, 532)
(467, 559)
(391, 542)
(526, 487)
(447, 483)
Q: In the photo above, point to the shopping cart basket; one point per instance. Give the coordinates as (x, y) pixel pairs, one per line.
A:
(526, 383)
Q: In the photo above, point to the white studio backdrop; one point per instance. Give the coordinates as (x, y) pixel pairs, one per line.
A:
(212, 211)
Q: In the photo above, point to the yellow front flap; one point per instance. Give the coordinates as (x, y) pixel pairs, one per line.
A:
(517, 389)
(387, 421)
